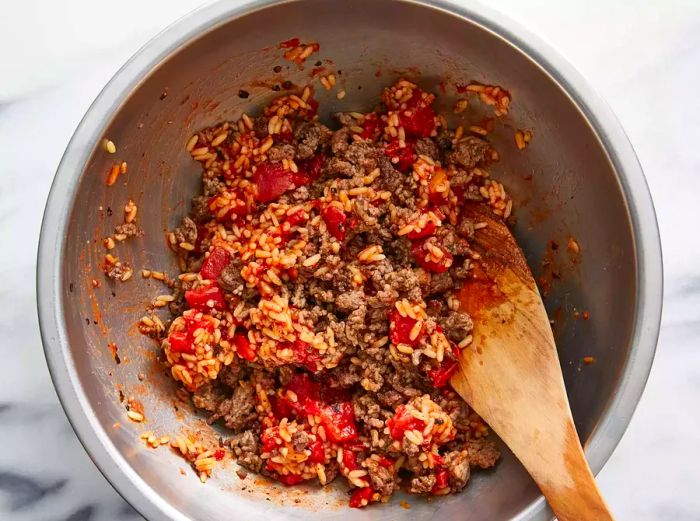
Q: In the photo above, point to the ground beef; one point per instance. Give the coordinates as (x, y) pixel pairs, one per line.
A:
(280, 152)
(382, 478)
(466, 228)
(339, 140)
(300, 440)
(208, 397)
(470, 152)
(186, 232)
(362, 154)
(332, 471)
(200, 210)
(310, 137)
(457, 325)
(347, 302)
(422, 484)
(337, 167)
(230, 277)
(212, 186)
(367, 213)
(390, 398)
(238, 412)
(457, 463)
(232, 374)
(444, 139)
(128, 229)
(448, 237)
(118, 271)
(260, 127)
(246, 447)
(483, 453)
(439, 283)
(367, 410)
(427, 147)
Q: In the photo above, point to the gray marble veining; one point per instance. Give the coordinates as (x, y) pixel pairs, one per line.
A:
(54, 58)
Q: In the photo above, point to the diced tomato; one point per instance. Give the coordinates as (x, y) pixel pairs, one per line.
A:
(317, 455)
(427, 231)
(219, 454)
(334, 394)
(350, 459)
(272, 180)
(437, 459)
(335, 219)
(400, 329)
(214, 264)
(369, 126)
(202, 231)
(205, 298)
(179, 343)
(438, 179)
(304, 354)
(361, 497)
(290, 44)
(290, 479)
(234, 203)
(338, 420)
(420, 252)
(243, 347)
(441, 375)
(421, 121)
(403, 421)
(404, 155)
(280, 407)
(305, 389)
(270, 439)
(296, 218)
(183, 341)
(441, 479)
(313, 108)
(309, 170)
(355, 445)
(285, 136)
(385, 462)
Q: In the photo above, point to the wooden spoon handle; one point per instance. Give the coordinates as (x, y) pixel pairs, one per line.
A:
(577, 497)
(510, 374)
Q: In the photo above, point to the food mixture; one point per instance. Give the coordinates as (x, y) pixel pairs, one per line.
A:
(315, 316)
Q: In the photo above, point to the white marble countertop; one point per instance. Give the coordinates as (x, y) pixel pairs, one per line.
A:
(55, 56)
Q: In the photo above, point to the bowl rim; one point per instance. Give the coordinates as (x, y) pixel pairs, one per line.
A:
(620, 407)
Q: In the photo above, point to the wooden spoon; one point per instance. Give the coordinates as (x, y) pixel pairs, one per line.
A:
(510, 374)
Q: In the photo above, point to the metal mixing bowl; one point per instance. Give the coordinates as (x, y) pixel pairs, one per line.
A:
(578, 178)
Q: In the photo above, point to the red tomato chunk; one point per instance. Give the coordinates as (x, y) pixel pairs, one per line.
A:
(335, 219)
(272, 180)
(243, 347)
(403, 421)
(420, 253)
(361, 497)
(338, 420)
(403, 155)
(205, 298)
(214, 264)
(400, 329)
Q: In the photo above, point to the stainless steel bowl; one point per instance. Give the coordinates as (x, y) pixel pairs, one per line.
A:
(579, 178)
